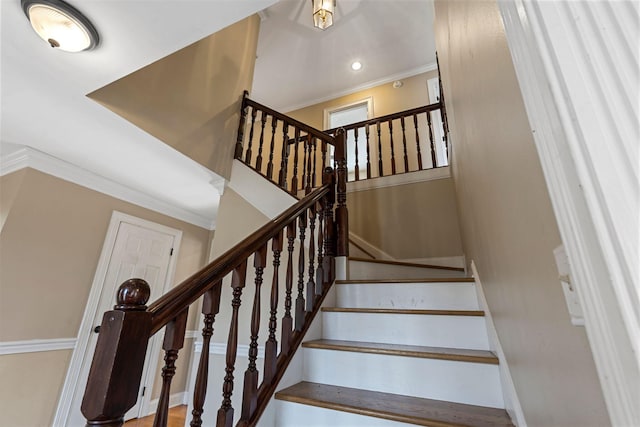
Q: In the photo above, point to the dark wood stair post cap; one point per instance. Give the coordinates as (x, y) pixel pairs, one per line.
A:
(133, 295)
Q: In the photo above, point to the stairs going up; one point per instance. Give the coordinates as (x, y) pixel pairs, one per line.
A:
(398, 352)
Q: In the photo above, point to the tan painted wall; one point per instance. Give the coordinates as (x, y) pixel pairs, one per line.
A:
(49, 250)
(30, 386)
(191, 99)
(386, 100)
(507, 223)
(418, 220)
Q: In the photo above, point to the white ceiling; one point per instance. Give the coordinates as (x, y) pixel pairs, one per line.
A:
(299, 65)
(44, 107)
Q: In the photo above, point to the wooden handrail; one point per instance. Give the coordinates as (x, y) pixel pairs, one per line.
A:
(393, 116)
(118, 362)
(304, 127)
(182, 296)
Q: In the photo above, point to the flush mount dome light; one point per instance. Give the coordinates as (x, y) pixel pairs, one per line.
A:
(356, 65)
(61, 25)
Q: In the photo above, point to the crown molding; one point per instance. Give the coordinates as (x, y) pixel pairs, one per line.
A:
(368, 85)
(30, 158)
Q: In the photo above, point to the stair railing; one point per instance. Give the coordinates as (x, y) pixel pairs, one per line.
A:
(269, 141)
(116, 371)
(396, 143)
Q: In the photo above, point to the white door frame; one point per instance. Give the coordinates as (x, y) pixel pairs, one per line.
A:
(86, 326)
(373, 148)
(576, 99)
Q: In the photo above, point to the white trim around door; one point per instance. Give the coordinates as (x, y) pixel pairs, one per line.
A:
(86, 326)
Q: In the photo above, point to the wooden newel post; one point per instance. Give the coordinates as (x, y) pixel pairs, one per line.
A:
(342, 216)
(241, 125)
(328, 260)
(118, 361)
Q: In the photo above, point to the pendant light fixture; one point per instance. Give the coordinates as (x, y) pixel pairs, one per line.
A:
(323, 11)
(61, 25)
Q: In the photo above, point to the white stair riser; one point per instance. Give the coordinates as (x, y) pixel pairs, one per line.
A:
(436, 296)
(410, 329)
(368, 270)
(462, 382)
(290, 414)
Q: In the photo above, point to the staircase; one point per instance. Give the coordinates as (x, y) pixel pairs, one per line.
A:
(396, 352)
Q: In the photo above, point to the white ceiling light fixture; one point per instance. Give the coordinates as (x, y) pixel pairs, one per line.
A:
(356, 65)
(61, 25)
(323, 11)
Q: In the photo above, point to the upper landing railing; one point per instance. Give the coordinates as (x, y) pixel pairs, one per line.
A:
(289, 153)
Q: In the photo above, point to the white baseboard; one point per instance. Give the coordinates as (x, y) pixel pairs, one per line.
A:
(375, 251)
(399, 179)
(35, 346)
(511, 401)
(175, 399)
(449, 261)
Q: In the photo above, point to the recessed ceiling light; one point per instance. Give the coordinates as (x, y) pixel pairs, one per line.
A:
(356, 65)
(60, 25)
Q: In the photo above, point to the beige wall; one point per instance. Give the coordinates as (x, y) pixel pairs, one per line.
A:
(418, 220)
(191, 99)
(49, 250)
(386, 100)
(507, 223)
(30, 386)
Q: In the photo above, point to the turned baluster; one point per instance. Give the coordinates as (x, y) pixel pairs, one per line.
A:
(115, 373)
(225, 413)
(300, 313)
(210, 307)
(328, 260)
(304, 164)
(357, 167)
(263, 122)
(324, 155)
(307, 188)
(415, 124)
(366, 129)
(393, 157)
(284, 163)
(404, 145)
(434, 163)
(380, 172)
(320, 206)
(311, 285)
(313, 174)
(248, 154)
(342, 216)
(250, 391)
(294, 179)
(287, 320)
(173, 342)
(274, 125)
(271, 346)
(241, 125)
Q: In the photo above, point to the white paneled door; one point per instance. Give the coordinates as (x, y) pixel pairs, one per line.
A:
(138, 251)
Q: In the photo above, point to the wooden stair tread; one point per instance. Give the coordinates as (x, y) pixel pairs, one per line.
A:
(404, 311)
(404, 264)
(442, 353)
(423, 280)
(413, 410)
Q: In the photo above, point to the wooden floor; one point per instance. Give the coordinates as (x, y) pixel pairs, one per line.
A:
(177, 416)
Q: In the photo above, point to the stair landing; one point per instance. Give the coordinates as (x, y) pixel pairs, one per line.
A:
(406, 409)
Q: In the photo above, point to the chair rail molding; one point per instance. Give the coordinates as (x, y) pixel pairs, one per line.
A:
(576, 63)
(36, 345)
